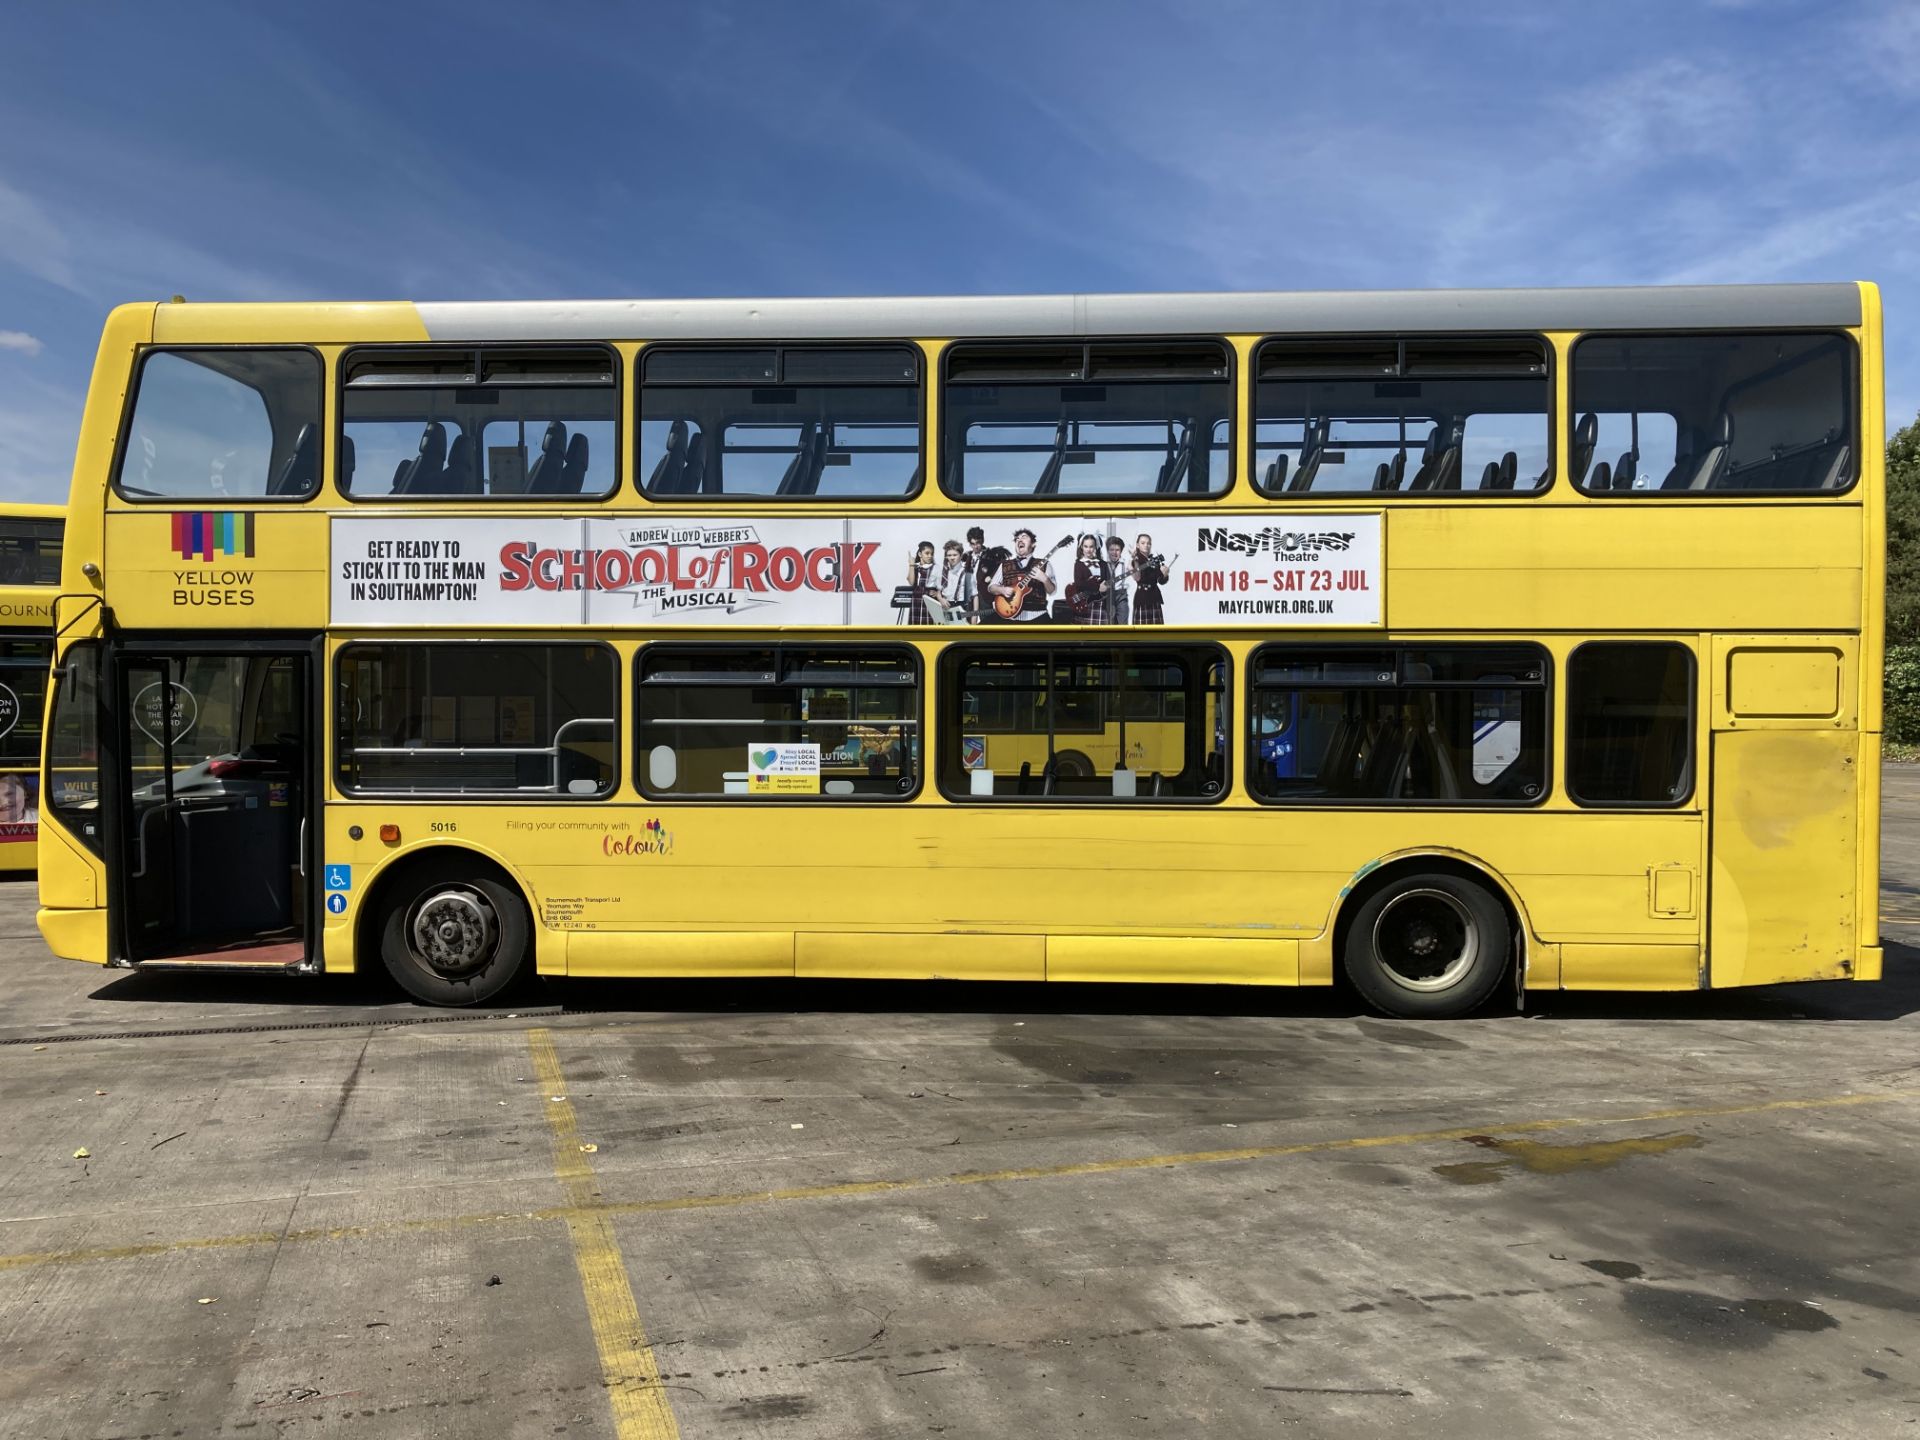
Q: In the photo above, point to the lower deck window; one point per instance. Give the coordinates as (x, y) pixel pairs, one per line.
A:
(1084, 722)
(778, 722)
(481, 719)
(1461, 725)
(1630, 723)
(23, 693)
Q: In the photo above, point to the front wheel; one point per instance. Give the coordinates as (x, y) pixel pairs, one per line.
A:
(1428, 946)
(450, 938)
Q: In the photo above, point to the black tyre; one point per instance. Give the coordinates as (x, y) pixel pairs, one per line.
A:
(1072, 765)
(1429, 946)
(449, 937)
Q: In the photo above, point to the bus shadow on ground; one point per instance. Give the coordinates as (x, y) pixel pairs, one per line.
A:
(349, 998)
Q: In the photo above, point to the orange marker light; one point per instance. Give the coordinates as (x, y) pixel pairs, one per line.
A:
(390, 834)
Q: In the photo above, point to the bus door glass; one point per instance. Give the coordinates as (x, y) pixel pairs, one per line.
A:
(214, 798)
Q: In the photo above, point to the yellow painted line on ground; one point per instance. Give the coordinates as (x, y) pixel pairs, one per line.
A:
(632, 1374)
(590, 1205)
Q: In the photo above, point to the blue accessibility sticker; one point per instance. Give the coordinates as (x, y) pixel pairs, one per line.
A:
(337, 904)
(339, 877)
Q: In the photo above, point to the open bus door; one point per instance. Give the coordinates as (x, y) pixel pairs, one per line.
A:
(213, 774)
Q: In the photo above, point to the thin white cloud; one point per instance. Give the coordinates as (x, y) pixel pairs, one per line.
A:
(39, 423)
(31, 241)
(21, 342)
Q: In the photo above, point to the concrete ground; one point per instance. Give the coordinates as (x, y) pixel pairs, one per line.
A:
(835, 1210)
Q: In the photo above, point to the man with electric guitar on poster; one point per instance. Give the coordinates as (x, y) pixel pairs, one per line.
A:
(1025, 581)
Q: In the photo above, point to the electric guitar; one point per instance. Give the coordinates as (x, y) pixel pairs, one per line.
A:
(1007, 607)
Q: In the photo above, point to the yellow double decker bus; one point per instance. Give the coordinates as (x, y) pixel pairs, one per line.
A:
(29, 579)
(1451, 642)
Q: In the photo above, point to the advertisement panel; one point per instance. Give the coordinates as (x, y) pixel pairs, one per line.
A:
(776, 572)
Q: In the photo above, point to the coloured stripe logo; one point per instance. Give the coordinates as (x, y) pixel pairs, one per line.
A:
(202, 534)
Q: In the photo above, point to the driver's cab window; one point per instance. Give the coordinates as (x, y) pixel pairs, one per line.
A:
(223, 424)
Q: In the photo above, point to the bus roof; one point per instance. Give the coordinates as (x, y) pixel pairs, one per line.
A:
(1651, 307)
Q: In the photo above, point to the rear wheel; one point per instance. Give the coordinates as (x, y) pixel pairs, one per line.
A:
(1430, 945)
(450, 937)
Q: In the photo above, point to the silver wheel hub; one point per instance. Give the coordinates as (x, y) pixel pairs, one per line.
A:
(453, 931)
(1426, 940)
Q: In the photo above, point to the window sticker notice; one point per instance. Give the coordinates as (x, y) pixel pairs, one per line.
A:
(783, 769)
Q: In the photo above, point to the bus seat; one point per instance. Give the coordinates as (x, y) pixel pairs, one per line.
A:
(1383, 476)
(1714, 458)
(1026, 773)
(1049, 481)
(1166, 465)
(1625, 471)
(346, 464)
(1684, 460)
(1490, 475)
(1439, 460)
(1277, 472)
(1180, 465)
(794, 479)
(1602, 477)
(1836, 476)
(1385, 764)
(460, 477)
(421, 475)
(296, 475)
(693, 474)
(1509, 470)
(1430, 750)
(573, 478)
(1313, 447)
(1586, 438)
(666, 472)
(544, 477)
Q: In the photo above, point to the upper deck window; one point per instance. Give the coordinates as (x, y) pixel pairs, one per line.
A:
(1721, 414)
(30, 551)
(1112, 419)
(226, 424)
(495, 423)
(1383, 415)
(787, 422)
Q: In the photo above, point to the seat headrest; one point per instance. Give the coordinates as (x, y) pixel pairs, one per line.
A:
(1435, 442)
(577, 452)
(1723, 430)
(1587, 432)
(434, 436)
(555, 439)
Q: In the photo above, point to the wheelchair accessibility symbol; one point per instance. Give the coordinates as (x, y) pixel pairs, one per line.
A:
(339, 877)
(336, 904)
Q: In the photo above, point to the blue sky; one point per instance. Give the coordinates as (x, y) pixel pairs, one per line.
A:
(449, 151)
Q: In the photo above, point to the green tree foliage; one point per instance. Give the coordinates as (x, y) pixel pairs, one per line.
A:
(1903, 586)
(1903, 537)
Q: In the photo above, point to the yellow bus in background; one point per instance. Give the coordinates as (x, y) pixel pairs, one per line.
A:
(29, 579)
(1451, 642)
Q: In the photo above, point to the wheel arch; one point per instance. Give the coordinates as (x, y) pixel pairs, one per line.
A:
(1370, 878)
(486, 865)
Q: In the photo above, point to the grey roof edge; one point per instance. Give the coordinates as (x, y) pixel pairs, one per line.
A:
(1646, 307)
